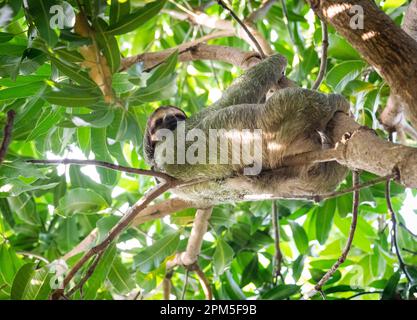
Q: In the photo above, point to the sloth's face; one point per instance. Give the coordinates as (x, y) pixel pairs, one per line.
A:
(166, 117)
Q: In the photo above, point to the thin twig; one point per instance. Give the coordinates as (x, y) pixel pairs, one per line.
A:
(203, 281)
(7, 134)
(287, 23)
(117, 229)
(242, 24)
(414, 253)
(323, 64)
(261, 12)
(33, 255)
(402, 225)
(87, 275)
(278, 253)
(363, 293)
(318, 287)
(104, 164)
(184, 289)
(394, 230)
(354, 188)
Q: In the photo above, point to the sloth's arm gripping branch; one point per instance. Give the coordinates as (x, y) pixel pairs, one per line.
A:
(253, 85)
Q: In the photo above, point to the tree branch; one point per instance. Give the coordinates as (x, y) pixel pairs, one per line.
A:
(244, 27)
(393, 115)
(202, 19)
(114, 232)
(262, 11)
(323, 63)
(7, 134)
(388, 48)
(104, 164)
(196, 50)
(189, 258)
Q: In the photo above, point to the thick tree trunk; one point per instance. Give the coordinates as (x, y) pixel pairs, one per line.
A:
(383, 44)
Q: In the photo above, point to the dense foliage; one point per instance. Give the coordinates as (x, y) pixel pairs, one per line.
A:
(71, 103)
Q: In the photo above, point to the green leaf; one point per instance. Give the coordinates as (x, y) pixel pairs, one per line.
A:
(300, 237)
(24, 91)
(339, 48)
(20, 168)
(281, 292)
(163, 89)
(49, 118)
(95, 119)
(74, 72)
(165, 69)
(100, 274)
(391, 287)
(84, 138)
(250, 273)
(232, 287)
(324, 220)
(82, 201)
(4, 36)
(6, 212)
(99, 147)
(118, 10)
(340, 75)
(15, 187)
(9, 263)
(25, 208)
(120, 277)
(72, 96)
(222, 257)
(39, 11)
(108, 44)
(137, 18)
(151, 257)
(297, 267)
(21, 281)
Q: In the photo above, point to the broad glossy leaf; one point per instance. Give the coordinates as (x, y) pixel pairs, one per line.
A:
(5, 36)
(82, 201)
(340, 75)
(22, 281)
(281, 292)
(250, 273)
(25, 208)
(100, 274)
(23, 91)
(151, 257)
(137, 18)
(222, 257)
(391, 287)
(99, 147)
(324, 220)
(74, 72)
(300, 237)
(165, 69)
(39, 11)
(95, 119)
(31, 284)
(120, 277)
(108, 44)
(118, 10)
(72, 96)
(163, 89)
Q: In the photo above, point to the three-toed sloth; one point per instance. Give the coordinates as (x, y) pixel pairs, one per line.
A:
(237, 145)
